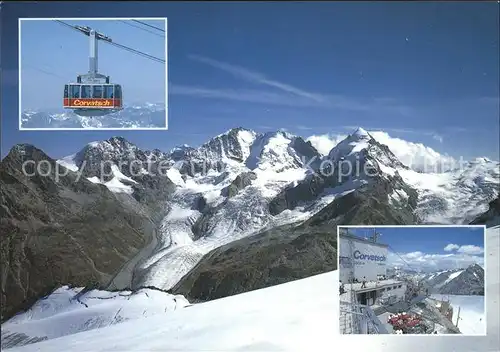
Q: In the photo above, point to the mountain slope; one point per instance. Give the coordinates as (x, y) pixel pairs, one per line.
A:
(456, 196)
(58, 228)
(356, 162)
(469, 282)
(296, 316)
(68, 311)
(491, 217)
(221, 191)
(288, 252)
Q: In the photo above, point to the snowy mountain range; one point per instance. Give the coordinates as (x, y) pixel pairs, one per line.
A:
(468, 281)
(240, 196)
(240, 183)
(147, 115)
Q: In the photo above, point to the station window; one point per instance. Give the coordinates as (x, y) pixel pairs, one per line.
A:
(86, 92)
(108, 92)
(75, 91)
(66, 91)
(97, 92)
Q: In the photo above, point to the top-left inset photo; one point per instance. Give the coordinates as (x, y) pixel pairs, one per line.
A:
(93, 73)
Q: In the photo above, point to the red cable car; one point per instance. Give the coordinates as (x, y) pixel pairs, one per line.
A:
(92, 99)
(93, 94)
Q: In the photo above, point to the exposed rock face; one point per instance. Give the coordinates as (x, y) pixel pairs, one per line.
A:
(241, 181)
(491, 217)
(370, 205)
(96, 159)
(273, 257)
(58, 229)
(154, 191)
(306, 190)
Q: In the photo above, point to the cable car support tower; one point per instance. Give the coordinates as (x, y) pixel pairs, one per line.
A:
(93, 76)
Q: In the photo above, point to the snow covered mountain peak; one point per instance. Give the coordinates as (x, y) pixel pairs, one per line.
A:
(361, 133)
(104, 150)
(234, 145)
(114, 143)
(469, 281)
(361, 147)
(482, 160)
(278, 159)
(351, 145)
(246, 149)
(475, 266)
(279, 151)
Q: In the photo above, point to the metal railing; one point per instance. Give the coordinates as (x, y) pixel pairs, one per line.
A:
(359, 319)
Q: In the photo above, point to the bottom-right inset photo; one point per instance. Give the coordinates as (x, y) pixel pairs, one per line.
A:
(412, 280)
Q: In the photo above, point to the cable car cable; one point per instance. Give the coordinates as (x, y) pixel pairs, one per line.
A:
(138, 52)
(44, 71)
(143, 29)
(67, 25)
(149, 25)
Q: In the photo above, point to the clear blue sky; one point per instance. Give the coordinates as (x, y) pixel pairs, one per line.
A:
(416, 68)
(53, 55)
(431, 240)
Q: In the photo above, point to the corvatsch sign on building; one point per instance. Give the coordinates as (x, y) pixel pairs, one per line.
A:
(364, 258)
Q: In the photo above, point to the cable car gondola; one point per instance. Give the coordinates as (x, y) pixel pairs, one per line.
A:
(92, 99)
(92, 94)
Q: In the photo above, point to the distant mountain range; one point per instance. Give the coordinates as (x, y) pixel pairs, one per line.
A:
(133, 116)
(243, 211)
(468, 281)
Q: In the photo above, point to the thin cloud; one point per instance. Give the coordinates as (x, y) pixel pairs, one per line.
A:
(451, 247)
(303, 128)
(433, 134)
(437, 137)
(276, 98)
(307, 98)
(435, 262)
(255, 77)
(325, 142)
(465, 249)
(414, 155)
(243, 95)
(470, 249)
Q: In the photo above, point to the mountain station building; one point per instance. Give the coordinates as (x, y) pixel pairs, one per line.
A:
(364, 260)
